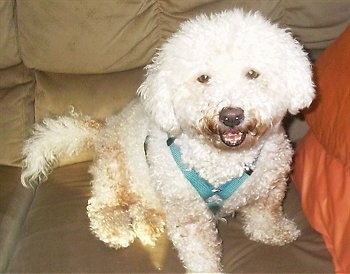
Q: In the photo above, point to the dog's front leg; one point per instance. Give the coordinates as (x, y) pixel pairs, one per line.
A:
(108, 207)
(194, 235)
(265, 222)
(120, 209)
(124, 205)
(260, 197)
(190, 224)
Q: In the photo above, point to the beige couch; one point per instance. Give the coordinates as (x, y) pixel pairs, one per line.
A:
(89, 54)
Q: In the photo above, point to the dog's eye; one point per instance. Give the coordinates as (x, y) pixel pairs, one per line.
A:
(203, 79)
(252, 74)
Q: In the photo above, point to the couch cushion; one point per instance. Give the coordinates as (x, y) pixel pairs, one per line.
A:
(85, 36)
(97, 95)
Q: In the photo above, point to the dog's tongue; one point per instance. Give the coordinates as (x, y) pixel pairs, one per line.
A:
(232, 139)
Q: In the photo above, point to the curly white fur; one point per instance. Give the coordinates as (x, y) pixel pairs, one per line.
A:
(221, 86)
(54, 140)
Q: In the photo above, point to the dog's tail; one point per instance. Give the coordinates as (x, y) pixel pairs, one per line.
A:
(54, 140)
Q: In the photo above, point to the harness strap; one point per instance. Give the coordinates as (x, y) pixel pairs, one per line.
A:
(202, 186)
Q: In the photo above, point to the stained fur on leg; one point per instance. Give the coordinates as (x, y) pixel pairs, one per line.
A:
(121, 183)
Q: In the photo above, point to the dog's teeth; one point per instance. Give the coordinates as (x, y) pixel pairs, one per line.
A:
(232, 138)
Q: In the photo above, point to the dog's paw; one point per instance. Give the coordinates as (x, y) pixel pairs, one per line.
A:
(148, 224)
(111, 224)
(278, 233)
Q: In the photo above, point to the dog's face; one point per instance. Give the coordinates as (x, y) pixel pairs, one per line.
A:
(229, 78)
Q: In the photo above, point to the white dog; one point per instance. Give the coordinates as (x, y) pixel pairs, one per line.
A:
(203, 141)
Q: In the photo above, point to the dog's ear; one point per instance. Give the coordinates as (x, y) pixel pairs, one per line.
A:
(298, 79)
(301, 95)
(156, 96)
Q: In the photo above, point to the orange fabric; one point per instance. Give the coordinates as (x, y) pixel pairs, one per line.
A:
(324, 184)
(329, 115)
(322, 161)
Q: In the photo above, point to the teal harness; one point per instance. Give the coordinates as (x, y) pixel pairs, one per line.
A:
(213, 196)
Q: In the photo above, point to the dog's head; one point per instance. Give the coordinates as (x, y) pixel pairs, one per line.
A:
(229, 77)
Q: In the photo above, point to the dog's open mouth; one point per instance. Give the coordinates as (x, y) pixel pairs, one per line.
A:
(232, 138)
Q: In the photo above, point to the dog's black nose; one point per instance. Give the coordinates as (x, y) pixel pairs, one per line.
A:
(231, 116)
